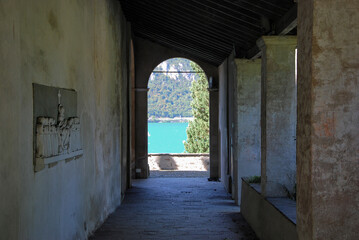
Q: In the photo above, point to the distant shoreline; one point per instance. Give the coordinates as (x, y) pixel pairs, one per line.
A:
(171, 120)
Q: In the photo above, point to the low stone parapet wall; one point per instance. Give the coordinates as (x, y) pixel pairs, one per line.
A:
(266, 219)
(179, 161)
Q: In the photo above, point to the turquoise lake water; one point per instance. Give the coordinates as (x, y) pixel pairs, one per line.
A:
(166, 137)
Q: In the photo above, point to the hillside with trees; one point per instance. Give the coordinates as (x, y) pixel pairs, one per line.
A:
(176, 93)
(169, 95)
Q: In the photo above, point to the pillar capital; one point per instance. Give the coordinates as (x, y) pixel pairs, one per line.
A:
(265, 41)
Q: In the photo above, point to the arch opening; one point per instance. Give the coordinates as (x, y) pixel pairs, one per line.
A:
(178, 117)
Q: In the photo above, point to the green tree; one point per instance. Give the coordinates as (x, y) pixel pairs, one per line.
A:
(198, 129)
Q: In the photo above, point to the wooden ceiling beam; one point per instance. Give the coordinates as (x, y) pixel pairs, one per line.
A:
(183, 46)
(191, 16)
(210, 17)
(174, 23)
(248, 25)
(182, 38)
(250, 6)
(288, 22)
(282, 27)
(208, 29)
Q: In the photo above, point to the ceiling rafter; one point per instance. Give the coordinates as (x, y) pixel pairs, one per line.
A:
(183, 49)
(250, 21)
(255, 9)
(221, 15)
(181, 26)
(209, 30)
(182, 39)
(195, 15)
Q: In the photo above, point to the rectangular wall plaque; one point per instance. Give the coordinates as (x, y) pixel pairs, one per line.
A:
(56, 126)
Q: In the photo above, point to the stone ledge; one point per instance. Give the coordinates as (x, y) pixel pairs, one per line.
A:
(180, 154)
(42, 162)
(266, 216)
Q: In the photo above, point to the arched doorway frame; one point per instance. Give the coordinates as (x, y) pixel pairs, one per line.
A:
(186, 71)
(147, 56)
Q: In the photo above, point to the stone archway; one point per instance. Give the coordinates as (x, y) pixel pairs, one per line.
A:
(147, 56)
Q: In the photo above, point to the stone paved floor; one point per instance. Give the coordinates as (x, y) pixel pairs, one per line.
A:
(176, 208)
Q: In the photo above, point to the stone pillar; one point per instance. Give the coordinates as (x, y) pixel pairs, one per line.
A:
(141, 145)
(247, 139)
(213, 138)
(278, 115)
(328, 120)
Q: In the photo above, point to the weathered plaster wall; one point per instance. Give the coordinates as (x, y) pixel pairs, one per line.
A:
(227, 102)
(124, 72)
(222, 122)
(213, 137)
(10, 117)
(79, 45)
(232, 101)
(278, 115)
(328, 116)
(247, 138)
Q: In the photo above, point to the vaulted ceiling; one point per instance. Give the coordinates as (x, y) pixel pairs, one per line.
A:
(210, 30)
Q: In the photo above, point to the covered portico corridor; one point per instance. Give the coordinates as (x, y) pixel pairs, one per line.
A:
(283, 82)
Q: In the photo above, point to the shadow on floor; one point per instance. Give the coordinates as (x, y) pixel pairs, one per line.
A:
(166, 162)
(243, 226)
(205, 162)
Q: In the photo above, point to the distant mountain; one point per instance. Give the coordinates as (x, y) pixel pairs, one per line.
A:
(169, 95)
